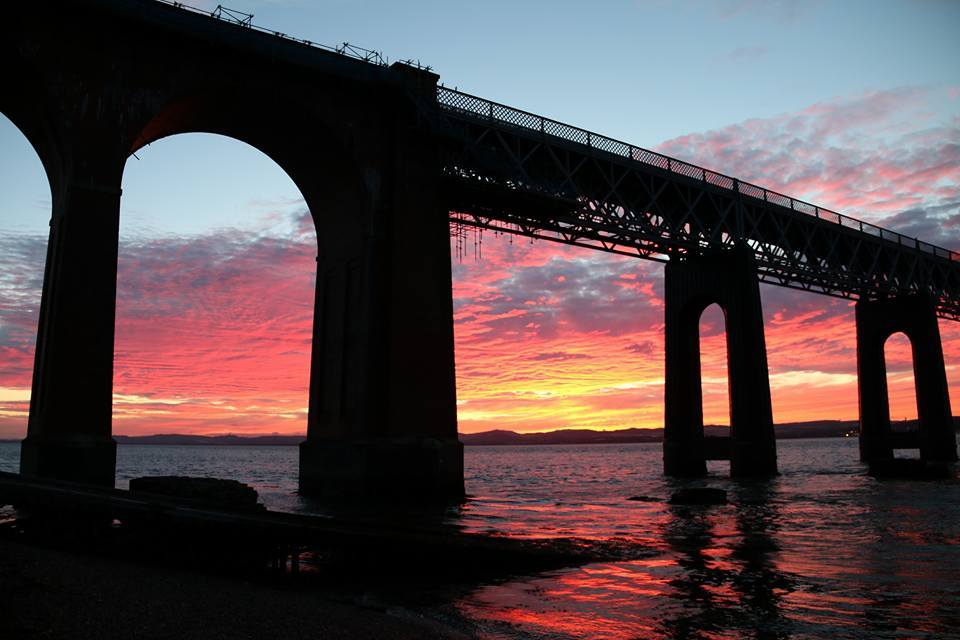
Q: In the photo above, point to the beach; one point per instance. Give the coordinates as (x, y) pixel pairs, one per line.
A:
(53, 593)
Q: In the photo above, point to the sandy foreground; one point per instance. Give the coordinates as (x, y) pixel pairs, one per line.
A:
(51, 594)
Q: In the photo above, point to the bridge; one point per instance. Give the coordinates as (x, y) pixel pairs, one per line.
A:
(386, 159)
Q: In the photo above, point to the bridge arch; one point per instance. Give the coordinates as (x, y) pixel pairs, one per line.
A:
(714, 365)
(898, 357)
(33, 125)
(697, 315)
(323, 165)
(213, 317)
(25, 209)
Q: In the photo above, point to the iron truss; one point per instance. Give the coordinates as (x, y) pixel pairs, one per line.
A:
(516, 172)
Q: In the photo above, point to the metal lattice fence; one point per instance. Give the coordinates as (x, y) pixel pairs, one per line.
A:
(475, 107)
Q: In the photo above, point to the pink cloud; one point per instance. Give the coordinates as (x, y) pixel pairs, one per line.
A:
(872, 156)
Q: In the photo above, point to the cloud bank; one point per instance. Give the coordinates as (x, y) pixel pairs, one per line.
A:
(213, 331)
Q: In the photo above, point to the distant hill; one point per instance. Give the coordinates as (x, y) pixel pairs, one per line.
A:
(818, 429)
(814, 429)
(786, 431)
(176, 439)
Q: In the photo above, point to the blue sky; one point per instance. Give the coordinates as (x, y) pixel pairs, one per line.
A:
(647, 71)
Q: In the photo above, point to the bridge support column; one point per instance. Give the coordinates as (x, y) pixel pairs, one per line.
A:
(383, 418)
(692, 284)
(915, 316)
(69, 431)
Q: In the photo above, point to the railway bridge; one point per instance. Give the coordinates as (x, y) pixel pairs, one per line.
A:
(386, 159)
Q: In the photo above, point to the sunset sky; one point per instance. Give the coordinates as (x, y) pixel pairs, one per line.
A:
(853, 106)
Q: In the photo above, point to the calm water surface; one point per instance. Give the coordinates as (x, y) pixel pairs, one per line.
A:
(822, 551)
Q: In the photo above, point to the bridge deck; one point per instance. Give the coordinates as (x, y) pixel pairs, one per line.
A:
(518, 172)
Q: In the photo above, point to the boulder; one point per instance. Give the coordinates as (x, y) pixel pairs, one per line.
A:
(213, 492)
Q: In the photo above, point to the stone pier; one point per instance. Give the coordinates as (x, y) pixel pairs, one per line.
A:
(693, 283)
(915, 316)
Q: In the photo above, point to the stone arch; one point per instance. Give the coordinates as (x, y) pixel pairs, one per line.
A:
(18, 105)
(207, 304)
(21, 324)
(369, 430)
(689, 315)
(318, 158)
(341, 186)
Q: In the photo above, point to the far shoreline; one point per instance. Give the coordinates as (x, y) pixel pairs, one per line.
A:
(577, 437)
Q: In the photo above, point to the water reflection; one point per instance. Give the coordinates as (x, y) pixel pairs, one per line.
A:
(689, 531)
(719, 572)
(761, 582)
(824, 550)
(913, 549)
(729, 577)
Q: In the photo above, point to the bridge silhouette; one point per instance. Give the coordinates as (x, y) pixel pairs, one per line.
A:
(386, 160)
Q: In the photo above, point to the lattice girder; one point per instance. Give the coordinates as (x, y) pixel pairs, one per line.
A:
(522, 178)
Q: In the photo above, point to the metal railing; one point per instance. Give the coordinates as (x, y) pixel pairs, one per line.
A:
(458, 102)
(245, 20)
(232, 15)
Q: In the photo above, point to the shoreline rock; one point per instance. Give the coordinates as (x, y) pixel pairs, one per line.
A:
(227, 494)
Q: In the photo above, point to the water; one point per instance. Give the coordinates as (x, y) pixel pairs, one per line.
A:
(821, 551)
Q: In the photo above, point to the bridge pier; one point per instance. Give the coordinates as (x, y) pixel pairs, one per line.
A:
(693, 283)
(382, 416)
(69, 429)
(382, 420)
(915, 316)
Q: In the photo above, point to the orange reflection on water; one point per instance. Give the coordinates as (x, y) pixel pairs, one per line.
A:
(824, 550)
(584, 594)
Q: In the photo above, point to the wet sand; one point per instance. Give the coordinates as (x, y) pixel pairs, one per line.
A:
(56, 593)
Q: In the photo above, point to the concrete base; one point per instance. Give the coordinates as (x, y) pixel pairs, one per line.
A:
(87, 460)
(412, 469)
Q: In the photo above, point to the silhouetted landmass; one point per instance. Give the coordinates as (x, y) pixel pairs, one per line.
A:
(814, 429)
(177, 438)
(786, 431)
(819, 429)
